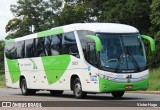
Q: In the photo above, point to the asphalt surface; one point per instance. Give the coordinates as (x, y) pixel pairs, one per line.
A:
(92, 101)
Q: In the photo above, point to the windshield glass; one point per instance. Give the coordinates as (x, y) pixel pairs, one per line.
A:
(122, 52)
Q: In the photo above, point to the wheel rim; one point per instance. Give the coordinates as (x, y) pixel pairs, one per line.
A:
(78, 89)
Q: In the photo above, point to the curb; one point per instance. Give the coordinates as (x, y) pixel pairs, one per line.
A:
(144, 92)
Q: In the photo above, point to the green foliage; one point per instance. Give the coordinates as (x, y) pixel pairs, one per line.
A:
(154, 60)
(72, 14)
(32, 13)
(132, 12)
(155, 19)
(17, 28)
(2, 80)
(154, 81)
(1, 56)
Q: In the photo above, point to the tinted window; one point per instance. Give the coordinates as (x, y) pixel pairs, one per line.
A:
(53, 45)
(56, 44)
(20, 49)
(47, 45)
(92, 58)
(29, 48)
(83, 40)
(69, 44)
(6, 51)
(82, 33)
(10, 51)
(40, 50)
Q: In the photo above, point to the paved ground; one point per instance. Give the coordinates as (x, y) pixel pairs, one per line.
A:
(92, 100)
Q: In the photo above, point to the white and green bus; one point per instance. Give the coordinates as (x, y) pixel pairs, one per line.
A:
(83, 58)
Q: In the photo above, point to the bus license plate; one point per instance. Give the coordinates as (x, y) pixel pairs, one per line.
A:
(128, 86)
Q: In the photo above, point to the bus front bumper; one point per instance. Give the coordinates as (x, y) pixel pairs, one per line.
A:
(111, 86)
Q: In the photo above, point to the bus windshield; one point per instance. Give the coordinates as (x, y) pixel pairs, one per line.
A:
(122, 52)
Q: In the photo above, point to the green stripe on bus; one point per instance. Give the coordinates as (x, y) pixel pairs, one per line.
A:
(111, 86)
(14, 70)
(50, 32)
(55, 66)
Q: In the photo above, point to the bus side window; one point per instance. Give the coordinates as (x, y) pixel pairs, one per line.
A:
(39, 46)
(47, 45)
(20, 49)
(84, 47)
(29, 48)
(10, 51)
(56, 44)
(83, 40)
(69, 45)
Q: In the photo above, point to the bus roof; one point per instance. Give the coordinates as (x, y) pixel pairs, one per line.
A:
(95, 27)
(106, 27)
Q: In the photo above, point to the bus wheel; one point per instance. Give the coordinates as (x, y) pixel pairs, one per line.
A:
(56, 92)
(117, 94)
(77, 89)
(25, 90)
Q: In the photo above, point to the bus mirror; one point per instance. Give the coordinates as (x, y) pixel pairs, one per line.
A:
(97, 42)
(152, 42)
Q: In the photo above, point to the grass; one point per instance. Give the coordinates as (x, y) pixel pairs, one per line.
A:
(2, 80)
(154, 80)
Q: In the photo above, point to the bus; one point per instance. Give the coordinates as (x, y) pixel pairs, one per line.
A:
(81, 57)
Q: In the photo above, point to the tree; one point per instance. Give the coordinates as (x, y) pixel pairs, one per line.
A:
(155, 19)
(154, 60)
(17, 28)
(132, 12)
(39, 14)
(1, 56)
(72, 14)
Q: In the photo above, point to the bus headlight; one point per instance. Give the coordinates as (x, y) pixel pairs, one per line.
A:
(106, 77)
(109, 78)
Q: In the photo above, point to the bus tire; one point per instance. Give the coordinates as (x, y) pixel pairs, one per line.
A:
(117, 94)
(25, 90)
(77, 89)
(56, 92)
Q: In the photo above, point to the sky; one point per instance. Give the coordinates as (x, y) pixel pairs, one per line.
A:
(5, 15)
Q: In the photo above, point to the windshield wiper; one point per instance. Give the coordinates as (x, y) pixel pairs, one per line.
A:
(133, 60)
(118, 63)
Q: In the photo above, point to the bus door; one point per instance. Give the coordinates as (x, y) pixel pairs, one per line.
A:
(91, 77)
